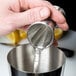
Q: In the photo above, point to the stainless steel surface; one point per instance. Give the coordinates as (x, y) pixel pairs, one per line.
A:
(22, 57)
(40, 34)
(60, 9)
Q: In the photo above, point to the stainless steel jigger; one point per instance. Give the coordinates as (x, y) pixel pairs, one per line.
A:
(40, 34)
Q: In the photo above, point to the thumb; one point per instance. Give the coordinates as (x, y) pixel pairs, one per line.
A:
(30, 16)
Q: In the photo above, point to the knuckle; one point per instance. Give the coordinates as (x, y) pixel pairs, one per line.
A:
(11, 25)
(33, 15)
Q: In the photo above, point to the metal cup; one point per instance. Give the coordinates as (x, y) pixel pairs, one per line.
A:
(21, 62)
(40, 34)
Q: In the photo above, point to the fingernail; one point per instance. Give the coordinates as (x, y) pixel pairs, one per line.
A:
(44, 12)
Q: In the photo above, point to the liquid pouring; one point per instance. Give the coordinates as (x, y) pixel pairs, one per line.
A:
(40, 36)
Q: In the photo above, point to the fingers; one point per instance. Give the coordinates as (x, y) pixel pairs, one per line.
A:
(17, 20)
(25, 28)
(29, 16)
(63, 26)
(59, 19)
(56, 15)
(55, 43)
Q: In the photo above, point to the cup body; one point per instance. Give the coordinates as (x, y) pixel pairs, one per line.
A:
(41, 34)
(21, 59)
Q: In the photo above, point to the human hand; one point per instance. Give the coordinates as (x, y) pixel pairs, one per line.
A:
(15, 14)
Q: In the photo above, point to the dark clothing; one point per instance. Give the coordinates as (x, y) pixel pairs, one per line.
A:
(69, 7)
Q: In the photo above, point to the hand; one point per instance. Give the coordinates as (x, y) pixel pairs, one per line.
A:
(16, 14)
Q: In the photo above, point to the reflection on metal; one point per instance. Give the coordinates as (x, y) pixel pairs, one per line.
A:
(21, 61)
